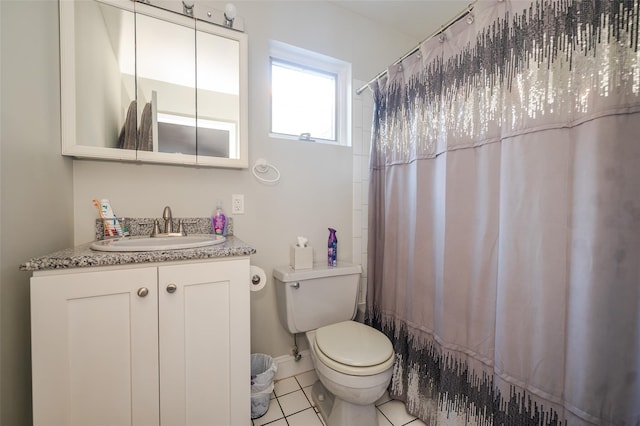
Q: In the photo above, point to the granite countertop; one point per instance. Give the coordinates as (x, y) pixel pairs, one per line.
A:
(82, 256)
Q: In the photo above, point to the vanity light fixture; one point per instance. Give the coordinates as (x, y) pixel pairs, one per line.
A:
(187, 7)
(229, 14)
(228, 18)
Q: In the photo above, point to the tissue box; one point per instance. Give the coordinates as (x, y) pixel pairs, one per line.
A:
(301, 257)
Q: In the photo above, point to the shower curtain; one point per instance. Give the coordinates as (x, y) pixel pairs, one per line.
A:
(504, 217)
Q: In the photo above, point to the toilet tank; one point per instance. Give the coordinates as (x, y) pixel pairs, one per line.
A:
(311, 298)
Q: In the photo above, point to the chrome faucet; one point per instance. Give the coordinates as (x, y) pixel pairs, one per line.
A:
(168, 220)
(168, 226)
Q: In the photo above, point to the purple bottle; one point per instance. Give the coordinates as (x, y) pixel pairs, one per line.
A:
(219, 221)
(333, 248)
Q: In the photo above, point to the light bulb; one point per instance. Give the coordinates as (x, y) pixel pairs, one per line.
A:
(187, 7)
(230, 12)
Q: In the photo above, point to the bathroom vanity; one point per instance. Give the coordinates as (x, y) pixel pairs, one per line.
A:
(141, 338)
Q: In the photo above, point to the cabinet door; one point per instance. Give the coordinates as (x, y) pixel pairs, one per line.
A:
(95, 348)
(204, 344)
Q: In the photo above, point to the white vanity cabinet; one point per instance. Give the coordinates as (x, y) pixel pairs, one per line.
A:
(142, 345)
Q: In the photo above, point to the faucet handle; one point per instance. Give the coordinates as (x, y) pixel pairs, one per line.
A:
(156, 228)
(181, 230)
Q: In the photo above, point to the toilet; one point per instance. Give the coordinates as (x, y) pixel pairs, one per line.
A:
(353, 361)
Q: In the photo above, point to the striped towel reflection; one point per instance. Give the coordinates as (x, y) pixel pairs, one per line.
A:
(127, 139)
(146, 133)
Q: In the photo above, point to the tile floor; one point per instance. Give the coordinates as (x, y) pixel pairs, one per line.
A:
(291, 405)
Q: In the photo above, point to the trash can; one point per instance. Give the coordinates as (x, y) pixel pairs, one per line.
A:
(263, 371)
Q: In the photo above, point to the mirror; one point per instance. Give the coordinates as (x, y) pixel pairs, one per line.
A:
(140, 83)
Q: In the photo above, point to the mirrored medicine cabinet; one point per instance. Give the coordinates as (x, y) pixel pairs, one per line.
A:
(146, 84)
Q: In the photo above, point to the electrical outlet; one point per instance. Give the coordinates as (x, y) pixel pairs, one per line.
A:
(237, 204)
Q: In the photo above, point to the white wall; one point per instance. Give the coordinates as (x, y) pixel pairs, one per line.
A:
(316, 188)
(361, 134)
(36, 183)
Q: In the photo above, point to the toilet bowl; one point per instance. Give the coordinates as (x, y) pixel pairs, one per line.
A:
(346, 393)
(354, 362)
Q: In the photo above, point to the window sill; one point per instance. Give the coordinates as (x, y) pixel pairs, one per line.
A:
(316, 141)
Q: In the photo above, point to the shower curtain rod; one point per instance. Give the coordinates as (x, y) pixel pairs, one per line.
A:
(455, 19)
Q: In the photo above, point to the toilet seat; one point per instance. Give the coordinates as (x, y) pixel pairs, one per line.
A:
(353, 348)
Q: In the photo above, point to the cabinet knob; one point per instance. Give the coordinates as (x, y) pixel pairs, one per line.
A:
(143, 291)
(171, 288)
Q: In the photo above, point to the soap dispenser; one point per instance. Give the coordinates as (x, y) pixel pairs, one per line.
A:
(219, 221)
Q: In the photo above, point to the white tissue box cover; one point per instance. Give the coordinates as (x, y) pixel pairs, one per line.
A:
(301, 257)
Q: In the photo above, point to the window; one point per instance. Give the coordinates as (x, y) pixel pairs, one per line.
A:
(309, 96)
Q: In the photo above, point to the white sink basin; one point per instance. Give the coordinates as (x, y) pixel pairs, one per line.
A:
(157, 243)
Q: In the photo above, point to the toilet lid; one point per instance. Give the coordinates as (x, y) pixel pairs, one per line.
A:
(354, 344)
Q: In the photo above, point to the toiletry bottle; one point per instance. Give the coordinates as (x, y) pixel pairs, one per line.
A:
(333, 248)
(110, 222)
(219, 221)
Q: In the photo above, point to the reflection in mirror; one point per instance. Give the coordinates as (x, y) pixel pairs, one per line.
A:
(175, 130)
(166, 88)
(218, 97)
(104, 52)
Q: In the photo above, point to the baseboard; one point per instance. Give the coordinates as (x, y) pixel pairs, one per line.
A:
(288, 366)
